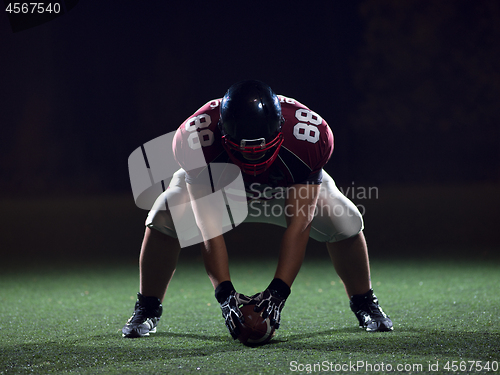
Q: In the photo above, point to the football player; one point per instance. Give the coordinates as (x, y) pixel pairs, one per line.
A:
(281, 147)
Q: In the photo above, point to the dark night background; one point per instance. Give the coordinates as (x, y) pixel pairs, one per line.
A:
(410, 89)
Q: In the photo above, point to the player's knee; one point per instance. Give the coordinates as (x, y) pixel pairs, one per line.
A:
(161, 220)
(346, 223)
(336, 222)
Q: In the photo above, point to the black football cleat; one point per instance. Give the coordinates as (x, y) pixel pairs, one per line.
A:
(370, 315)
(145, 318)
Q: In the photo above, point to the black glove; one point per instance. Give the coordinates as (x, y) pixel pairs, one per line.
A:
(272, 300)
(230, 301)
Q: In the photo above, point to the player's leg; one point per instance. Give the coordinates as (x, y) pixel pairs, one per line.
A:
(350, 259)
(157, 262)
(339, 223)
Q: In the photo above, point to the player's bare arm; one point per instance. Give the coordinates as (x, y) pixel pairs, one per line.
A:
(299, 207)
(208, 215)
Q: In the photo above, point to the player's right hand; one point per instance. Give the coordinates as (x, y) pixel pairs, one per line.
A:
(231, 312)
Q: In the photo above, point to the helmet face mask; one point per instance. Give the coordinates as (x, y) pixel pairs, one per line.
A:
(250, 123)
(252, 159)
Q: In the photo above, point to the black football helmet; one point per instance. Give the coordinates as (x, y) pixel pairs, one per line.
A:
(250, 122)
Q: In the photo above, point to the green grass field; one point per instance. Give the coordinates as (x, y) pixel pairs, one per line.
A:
(68, 320)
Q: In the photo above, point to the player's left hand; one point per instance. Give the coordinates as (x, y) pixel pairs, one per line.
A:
(271, 301)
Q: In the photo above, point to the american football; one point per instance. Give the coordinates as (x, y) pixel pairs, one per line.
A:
(255, 330)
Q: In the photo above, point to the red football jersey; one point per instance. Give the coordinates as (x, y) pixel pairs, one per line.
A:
(307, 146)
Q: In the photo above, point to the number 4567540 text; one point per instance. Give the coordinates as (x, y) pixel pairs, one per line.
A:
(33, 8)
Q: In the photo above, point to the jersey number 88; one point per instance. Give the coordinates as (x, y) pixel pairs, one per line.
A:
(307, 130)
